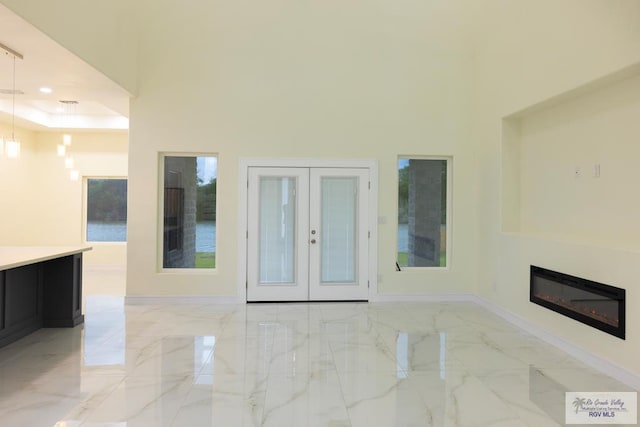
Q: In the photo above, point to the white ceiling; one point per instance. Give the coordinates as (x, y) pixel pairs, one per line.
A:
(102, 104)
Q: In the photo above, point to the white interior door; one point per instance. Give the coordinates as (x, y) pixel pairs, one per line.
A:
(307, 234)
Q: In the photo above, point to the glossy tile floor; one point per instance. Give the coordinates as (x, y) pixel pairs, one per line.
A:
(317, 364)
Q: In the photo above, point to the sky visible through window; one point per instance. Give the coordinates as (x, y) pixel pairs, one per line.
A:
(207, 168)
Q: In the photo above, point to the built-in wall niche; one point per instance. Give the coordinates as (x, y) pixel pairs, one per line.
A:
(571, 165)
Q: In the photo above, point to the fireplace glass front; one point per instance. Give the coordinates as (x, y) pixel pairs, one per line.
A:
(595, 304)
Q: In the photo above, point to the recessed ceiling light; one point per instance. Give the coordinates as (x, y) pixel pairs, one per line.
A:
(45, 89)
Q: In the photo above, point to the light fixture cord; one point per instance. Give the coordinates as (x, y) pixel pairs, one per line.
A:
(13, 101)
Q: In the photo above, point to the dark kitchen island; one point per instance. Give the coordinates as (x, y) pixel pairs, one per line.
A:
(40, 287)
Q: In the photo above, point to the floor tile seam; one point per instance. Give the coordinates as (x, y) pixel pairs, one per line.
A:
(342, 395)
(511, 403)
(450, 358)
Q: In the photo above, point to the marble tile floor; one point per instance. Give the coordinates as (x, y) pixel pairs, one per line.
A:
(299, 364)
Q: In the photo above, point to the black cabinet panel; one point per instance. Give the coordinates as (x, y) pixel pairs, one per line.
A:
(77, 288)
(63, 292)
(24, 290)
(22, 302)
(1, 301)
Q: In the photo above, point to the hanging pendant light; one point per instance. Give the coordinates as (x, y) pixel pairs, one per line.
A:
(12, 146)
(67, 107)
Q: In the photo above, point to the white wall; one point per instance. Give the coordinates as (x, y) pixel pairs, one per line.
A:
(46, 207)
(290, 79)
(16, 181)
(530, 57)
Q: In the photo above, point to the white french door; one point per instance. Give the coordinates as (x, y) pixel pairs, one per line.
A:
(307, 234)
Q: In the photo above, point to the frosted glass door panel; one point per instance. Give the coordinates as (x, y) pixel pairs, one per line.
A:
(339, 228)
(307, 234)
(277, 227)
(277, 241)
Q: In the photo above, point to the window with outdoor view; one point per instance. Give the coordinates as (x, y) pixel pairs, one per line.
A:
(422, 212)
(189, 226)
(106, 219)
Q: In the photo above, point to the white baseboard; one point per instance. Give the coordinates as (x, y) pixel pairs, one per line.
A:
(424, 298)
(621, 374)
(180, 300)
(104, 267)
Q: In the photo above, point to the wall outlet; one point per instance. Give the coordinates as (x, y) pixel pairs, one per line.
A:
(577, 172)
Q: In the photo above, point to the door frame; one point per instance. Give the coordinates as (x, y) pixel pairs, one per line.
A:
(243, 194)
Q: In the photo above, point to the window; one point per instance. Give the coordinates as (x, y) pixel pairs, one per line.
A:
(189, 226)
(422, 212)
(106, 210)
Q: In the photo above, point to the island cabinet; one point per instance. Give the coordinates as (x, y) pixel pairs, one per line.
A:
(21, 308)
(62, 292)
(41, 291)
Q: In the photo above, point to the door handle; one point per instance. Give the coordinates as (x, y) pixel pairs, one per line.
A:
(313, 241)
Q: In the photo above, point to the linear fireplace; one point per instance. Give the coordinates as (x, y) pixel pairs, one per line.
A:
(595, 304)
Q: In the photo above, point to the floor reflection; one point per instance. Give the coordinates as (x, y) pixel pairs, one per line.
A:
(547, 394)
(341, 364)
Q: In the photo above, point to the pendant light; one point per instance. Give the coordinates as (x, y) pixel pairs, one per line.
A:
(68, 108)
(12, 146)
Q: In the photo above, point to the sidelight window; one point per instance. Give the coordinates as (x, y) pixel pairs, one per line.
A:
(422, 212)
(189, 211)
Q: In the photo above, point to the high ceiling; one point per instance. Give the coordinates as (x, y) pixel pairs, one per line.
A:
(101, 103)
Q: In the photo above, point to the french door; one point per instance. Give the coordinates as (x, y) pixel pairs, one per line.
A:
(307, 234)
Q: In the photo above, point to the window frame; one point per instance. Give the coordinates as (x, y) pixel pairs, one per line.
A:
(448, 210)
(160, 215)
(85, 209)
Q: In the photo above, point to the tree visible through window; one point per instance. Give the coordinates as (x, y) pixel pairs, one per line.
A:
(422, 212)
(106, 210)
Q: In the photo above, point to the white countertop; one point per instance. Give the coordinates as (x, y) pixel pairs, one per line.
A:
(17, 256)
